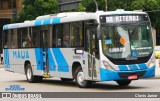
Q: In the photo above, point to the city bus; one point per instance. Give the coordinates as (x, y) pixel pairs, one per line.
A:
(83, 46)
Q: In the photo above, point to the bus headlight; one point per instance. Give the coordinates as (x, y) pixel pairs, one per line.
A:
(107, 66)
(152, 64)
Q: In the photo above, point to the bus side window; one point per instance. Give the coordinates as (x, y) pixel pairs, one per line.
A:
(76, 34)
(14, 39)
(66, 35)
(7, 41)
(53, 36)
(57, 36)
(36, 37)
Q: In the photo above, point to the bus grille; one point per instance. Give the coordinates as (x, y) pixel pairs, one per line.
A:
(125, 75)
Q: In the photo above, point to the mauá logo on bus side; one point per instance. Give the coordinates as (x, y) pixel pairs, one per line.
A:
(21, 54)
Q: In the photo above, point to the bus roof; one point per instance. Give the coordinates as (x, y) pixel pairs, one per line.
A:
(65, 17)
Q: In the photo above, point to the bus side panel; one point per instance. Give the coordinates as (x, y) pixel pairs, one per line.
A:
(60, 61)
(52, 64)
(15, 60)
(37, 61)
(91, 67)
(7, 60)
(69, 57)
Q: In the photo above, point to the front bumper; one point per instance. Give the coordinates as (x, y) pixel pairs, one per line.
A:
(108, 75)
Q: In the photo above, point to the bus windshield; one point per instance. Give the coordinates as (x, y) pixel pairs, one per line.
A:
(127, 41)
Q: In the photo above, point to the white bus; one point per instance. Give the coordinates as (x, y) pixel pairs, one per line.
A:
(88, 47)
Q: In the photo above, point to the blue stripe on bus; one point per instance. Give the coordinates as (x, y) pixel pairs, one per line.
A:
(38, 22)
(61, 61)
(130, 67)
(6, 58)
(133, 67)
(122, 67)
(52, 66)
(55, 20)
(8, 61)
(142, 66)
(46, 22)
(107, 75)
(150, 72)
(38, 59)
(5, 27)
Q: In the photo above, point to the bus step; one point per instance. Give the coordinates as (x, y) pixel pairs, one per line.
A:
(46, 76)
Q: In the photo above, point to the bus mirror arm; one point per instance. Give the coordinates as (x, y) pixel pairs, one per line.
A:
(96, 24)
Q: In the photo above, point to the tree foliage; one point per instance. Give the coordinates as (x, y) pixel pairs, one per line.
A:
(91, 7)
(151, 7)
(34, 8)
(145, 5)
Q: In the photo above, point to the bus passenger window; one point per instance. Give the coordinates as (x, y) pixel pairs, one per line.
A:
(27, 42)
(76, 34)
(14, 39)
(36, 37)
(66, 42)
(59, 42)
(66, 35)
(57, 36)
(7, 45)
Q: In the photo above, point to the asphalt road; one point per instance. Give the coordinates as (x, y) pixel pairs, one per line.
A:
(56, 85)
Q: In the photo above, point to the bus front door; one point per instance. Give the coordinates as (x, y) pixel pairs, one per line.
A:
(90, 47)
(44, 45)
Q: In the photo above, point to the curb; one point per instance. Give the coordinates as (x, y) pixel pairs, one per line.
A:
(1, 65)
(156, 77)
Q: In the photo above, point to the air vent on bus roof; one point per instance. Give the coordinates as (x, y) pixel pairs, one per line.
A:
(120, 10)
(65, 14)
(45, 16)
(61, 15)
(27, 21)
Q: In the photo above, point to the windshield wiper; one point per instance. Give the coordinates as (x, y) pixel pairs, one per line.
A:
(131, 58)
(134, 30)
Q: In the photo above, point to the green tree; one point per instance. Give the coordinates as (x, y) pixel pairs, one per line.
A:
(81, 8)
(145, 5)
(151, 7)
(119, 4)
(34, 8)
(91, 7)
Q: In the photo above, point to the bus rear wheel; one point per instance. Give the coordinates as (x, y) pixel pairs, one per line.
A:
(79, 78)
(123, 82)
(29, 75)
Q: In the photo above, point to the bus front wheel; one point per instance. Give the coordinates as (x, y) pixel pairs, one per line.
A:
(123, 82)
(79, 78)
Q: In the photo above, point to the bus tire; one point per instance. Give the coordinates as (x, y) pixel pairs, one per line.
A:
(39, 78)
(123, 82)
(29, 74)
(79, 78)
(66, 79)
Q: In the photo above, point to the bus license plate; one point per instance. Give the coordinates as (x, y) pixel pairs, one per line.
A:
(132, 77)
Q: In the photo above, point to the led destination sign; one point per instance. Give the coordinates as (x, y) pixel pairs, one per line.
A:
(123, 18)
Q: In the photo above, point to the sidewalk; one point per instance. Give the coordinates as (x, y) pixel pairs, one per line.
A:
(1, 65)
(157, 70)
